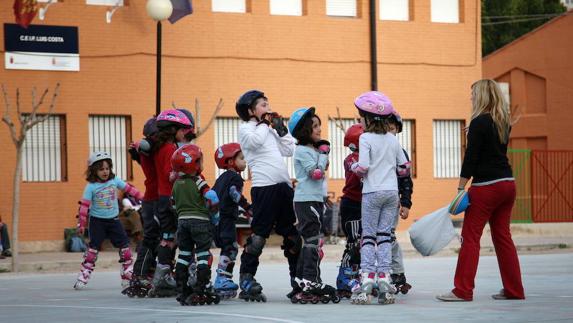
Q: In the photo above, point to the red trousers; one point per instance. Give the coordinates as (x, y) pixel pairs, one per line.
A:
(491, 203)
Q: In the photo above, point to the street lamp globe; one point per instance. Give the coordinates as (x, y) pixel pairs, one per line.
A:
(159, 9)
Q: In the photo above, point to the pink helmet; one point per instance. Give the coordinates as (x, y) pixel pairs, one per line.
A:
(375, 104)
(173, 117)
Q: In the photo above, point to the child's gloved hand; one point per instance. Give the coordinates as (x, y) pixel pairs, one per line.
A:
(317, 174)
(323, 146)
(278, 123)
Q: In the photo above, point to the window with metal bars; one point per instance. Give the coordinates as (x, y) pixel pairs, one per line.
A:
(227, 130)
(44, 151)
(112, 134)
(449, 146)
(338, 152)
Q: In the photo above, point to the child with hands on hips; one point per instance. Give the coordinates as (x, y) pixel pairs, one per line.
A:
(99, 206)
(380, 159)
(310, 163)
(197, 211)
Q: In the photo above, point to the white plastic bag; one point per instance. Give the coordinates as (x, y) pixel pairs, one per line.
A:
(432, 232)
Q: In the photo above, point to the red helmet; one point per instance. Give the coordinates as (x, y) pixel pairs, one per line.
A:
(352, 135)
(187, 159)
(226, 152)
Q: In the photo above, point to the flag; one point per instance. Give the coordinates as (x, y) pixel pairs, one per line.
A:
(181, 8)
(25, 11)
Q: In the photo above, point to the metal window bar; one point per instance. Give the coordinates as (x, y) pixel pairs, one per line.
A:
(447, 139)
(110, 134)
(42, 151)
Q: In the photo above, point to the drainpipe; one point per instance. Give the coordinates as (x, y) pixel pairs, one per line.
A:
(373, 51)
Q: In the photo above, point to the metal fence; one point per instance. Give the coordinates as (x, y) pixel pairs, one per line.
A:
(544, 181)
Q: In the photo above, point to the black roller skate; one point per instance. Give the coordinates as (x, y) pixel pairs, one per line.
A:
(164, 284)
(202, 295)
(251, 290)
(138, 287)
(314, 292)
(399, 281)
(296, 288)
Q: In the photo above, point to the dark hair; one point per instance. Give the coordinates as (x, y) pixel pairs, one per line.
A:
(164, 135)
(91, 173)
(375, 125)
(304, 133)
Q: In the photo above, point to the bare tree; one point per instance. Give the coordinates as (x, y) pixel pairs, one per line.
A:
(27, 121)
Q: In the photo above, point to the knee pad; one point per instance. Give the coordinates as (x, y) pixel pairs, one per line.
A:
(383, 237)
(168, 240)
(315, 242)
(185, 257)
(255, 245)
(204, 260)
(125, 256)
(291, 245)
(368, 240)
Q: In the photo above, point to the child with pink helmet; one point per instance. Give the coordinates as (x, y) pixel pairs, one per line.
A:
(379, 154)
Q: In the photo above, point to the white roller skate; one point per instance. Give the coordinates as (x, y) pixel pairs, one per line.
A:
(363, 294)
(386, 290)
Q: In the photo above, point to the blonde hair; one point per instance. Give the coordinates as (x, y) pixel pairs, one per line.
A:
(488, 98)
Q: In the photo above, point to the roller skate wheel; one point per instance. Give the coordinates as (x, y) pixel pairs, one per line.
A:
(294, 300)
(314, 301)
(325, 299)
(303, 301)
(216, 300)
(336, 299)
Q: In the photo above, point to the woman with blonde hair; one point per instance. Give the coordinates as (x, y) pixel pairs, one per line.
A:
(492, 195)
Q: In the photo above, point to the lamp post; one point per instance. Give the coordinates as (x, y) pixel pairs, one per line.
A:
(158, 10)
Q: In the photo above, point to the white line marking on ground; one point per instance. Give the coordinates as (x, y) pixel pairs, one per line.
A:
(565, 296)
(155, 310)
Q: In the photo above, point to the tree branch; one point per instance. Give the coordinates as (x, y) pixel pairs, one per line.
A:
(6, 117)
(50, 109)
(213, 116)
(197, 117)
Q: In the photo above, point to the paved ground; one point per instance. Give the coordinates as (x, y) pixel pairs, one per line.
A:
(547, 278)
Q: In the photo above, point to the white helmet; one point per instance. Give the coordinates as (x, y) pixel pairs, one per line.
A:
(97, 156)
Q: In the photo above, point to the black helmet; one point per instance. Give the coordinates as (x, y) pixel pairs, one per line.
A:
(189, 116)
(246, 102)
(150, 127)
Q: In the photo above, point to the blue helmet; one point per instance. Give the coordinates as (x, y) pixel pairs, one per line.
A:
(297, 119)
(460, 203)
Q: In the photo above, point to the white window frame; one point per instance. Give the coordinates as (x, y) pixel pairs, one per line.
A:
(407, 139)
(341, 8)
(286, 7)
(109, 3)
(112, 134)
(337, 150)
(43, 151)
(229, 6)
(449, 144)
(397, 10)
(445, 11)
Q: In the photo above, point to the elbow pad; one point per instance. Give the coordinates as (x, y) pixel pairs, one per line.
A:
(235, 194)
(83, 213)
(404, 170)
(211, 198)
(317, 174)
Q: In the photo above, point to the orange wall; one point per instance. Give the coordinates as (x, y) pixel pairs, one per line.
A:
(539, 68)
(426, 68)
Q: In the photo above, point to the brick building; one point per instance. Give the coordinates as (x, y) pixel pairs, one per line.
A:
(300, 52)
